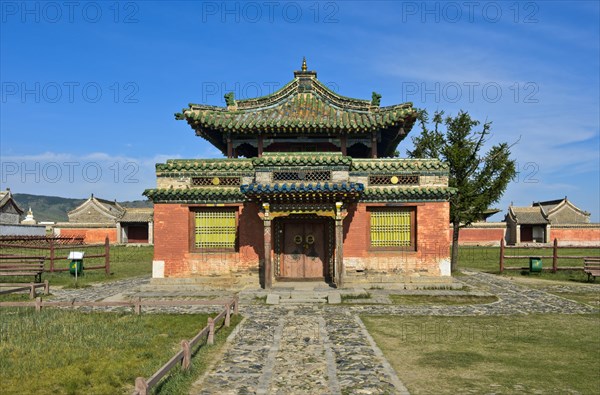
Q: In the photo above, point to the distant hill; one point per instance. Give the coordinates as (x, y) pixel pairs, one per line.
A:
(54, 208)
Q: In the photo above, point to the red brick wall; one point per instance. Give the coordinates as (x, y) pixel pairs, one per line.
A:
(480, 234)
(171, 237)
(576, 236)
(172, 243)
(433, 242)
(91, 235)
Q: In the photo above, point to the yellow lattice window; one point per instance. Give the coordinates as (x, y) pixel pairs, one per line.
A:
(392, 227)
(214, 229)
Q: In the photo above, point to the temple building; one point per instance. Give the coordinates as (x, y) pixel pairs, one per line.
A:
(309, 189)
(96, 219)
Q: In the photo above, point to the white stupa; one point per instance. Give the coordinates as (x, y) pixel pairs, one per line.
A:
(29, 220)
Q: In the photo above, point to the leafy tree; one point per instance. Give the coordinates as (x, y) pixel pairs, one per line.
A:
(480, 179)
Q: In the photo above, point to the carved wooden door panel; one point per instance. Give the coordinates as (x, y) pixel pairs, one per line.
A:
(314, 251)
(303, 250)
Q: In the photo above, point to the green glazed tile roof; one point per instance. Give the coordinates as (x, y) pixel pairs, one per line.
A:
(406, 194)
(195, 195)
(303, 112)
(397, 164)
(302, 159)
(304, 106)
(303, 192)
(173, 165)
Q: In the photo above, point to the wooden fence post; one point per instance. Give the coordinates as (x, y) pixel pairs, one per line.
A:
(32, 291)
(555, 256)
(187, 355)
(46, 287)
(51, 241)
(137, 306)
(141, 387)
(107, 256)
(235, 305)
(501, 255)
(211, 331)
(38, 304)
(227, 315)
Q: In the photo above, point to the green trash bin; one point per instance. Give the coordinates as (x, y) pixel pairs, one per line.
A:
(76, 264)
(535, 264)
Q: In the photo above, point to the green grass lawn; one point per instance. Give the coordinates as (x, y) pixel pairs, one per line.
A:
(125, 262)
(69, 352)
(545, 354)
(487, 259)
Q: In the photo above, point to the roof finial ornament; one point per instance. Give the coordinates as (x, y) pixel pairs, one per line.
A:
(375, 99)
(304, 68)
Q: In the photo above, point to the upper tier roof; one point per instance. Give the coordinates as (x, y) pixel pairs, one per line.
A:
(303, 107)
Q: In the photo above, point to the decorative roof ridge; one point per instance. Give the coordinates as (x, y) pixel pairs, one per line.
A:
(421, 191)
(199, 164)
(171, 194)
(285, 91)
(302, 187)
(404, 163)
(566, 202)
(6, 197)
(194, 106)
(291, 89)
(424, 160)
(209, 160)
(337, 100)
(305, 158)
(401, 106)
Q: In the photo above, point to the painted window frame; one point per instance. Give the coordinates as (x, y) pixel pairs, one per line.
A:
(192, 226)
(412, 210)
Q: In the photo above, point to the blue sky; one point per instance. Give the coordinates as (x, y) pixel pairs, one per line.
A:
(88, 89)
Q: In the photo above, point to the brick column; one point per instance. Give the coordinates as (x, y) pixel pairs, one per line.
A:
(268, 281)
(339, 253)
(339, 246)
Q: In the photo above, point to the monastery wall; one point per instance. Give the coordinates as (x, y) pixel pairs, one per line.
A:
(91, 235)
(431, 257)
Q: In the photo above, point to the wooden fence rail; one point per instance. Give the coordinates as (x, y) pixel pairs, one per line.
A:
(53, 247)
(16, 287)
(142, 385)
(184, 355)
(136, 305)
(555, 257)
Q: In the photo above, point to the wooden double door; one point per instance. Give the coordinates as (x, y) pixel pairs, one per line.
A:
(304, 250)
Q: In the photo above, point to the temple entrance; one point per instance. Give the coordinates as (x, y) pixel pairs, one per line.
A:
(304, 250)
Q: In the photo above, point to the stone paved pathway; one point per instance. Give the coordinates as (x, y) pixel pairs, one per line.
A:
(301, 350)
(325, 349)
